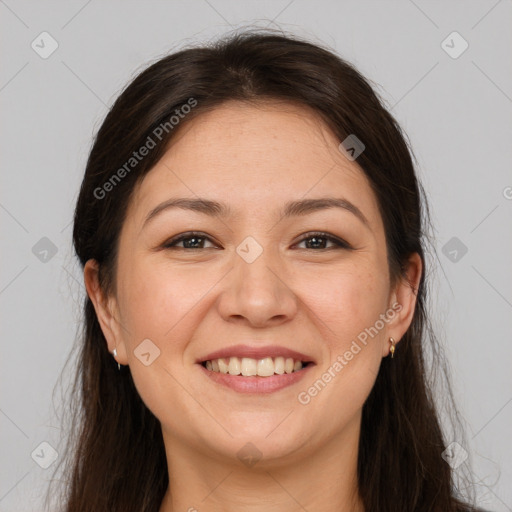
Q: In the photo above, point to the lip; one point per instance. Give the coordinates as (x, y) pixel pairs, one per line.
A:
(257, 353)
(259, 385)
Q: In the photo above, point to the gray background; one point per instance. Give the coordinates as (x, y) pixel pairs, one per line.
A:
(456, 111)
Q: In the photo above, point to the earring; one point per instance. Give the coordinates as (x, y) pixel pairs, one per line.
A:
(115, 355)
(392, 348)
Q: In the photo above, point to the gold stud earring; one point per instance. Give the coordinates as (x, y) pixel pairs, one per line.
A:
(392, 348)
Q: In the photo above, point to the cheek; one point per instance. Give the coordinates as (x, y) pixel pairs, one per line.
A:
(159, 305)
(346, 312)
(346, 302)
(156, 301)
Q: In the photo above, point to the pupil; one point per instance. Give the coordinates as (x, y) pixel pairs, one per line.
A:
(188, 244)
(315, 238)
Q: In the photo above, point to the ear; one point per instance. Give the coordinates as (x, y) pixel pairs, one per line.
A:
(403, 300)
(106, 311)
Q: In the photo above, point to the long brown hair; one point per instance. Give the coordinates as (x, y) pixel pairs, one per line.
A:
(115, 453)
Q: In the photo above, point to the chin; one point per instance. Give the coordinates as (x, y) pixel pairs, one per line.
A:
(259, 447)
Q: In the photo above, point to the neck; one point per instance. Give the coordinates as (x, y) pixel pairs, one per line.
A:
(324, 480)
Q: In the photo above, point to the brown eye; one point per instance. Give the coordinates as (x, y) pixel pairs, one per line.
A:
(189, 241)
(320, 240)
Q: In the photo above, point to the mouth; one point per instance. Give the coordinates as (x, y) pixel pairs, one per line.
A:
(249, 367)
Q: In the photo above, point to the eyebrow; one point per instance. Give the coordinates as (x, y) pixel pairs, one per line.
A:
(291, 209)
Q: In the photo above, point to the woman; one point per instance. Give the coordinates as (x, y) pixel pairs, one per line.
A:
(251, 231)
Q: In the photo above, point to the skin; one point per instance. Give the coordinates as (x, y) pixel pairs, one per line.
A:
(189, 302)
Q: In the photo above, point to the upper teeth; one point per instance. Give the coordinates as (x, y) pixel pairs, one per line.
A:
(249, 367)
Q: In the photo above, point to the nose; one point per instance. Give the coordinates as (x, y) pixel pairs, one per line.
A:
(257, 294)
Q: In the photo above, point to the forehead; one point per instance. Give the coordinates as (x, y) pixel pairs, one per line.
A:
(255, 158)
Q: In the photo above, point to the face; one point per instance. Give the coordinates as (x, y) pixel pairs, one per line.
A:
(261, 268)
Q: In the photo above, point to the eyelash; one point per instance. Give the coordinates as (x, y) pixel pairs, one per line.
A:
(341, 244)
